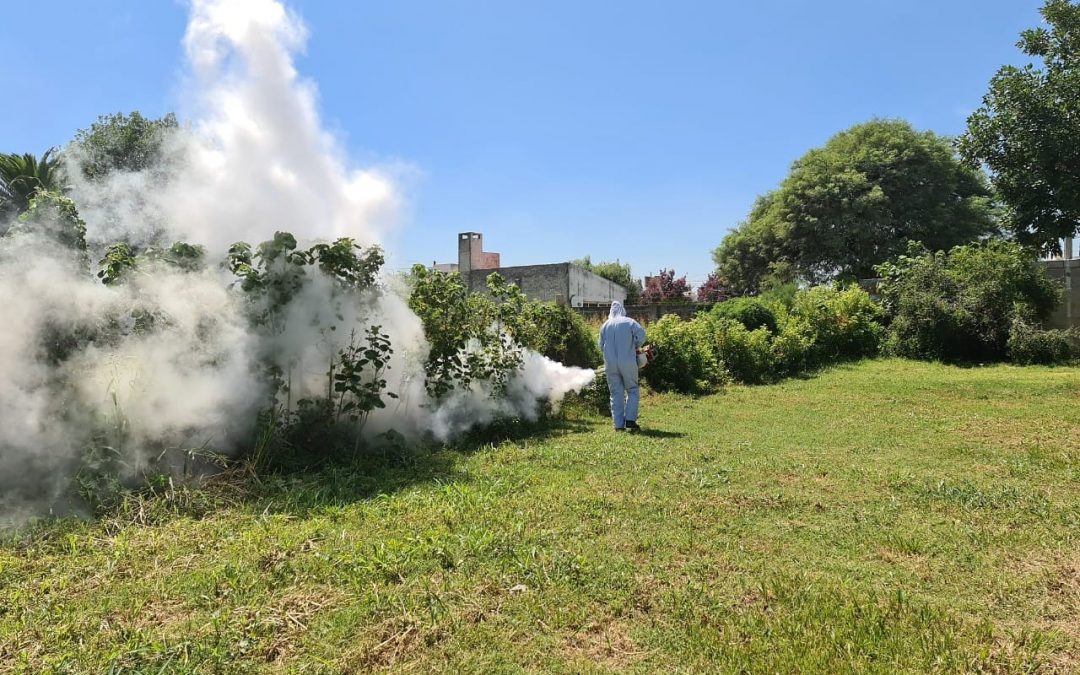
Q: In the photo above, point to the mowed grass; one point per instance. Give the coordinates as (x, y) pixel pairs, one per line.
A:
(882, 517)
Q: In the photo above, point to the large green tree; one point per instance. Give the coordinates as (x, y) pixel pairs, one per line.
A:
(751, 258)
(1028, 132)
(124, 144)
(23, 176)
(120, 142)
(854, 203)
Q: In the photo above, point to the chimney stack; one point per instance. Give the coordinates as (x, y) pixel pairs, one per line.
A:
(465, 250)
(471, 255)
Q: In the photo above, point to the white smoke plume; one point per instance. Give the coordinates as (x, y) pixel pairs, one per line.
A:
(539, 380)
(188, 385)
(253, 159)
(261, 160)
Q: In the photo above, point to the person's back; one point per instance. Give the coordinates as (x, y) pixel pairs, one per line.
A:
(620, 338)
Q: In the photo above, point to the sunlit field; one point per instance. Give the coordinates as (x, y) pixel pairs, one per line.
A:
(881, 517)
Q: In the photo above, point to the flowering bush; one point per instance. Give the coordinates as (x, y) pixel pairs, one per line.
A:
(713, 289)
(664, 287)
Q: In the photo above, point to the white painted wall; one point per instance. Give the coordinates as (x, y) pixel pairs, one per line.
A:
(586, 287)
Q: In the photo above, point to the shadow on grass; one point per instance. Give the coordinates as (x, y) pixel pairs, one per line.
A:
(342, 482)
(296, 488)
(519, 430)
(379, 472)
(657, 433)
(298, 492)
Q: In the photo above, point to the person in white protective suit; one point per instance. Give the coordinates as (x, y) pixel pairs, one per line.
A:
(620, 339)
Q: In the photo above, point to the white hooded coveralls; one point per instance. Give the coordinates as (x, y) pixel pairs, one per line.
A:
(620, 338)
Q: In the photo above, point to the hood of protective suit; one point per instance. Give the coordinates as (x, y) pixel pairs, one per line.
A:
(617, 310)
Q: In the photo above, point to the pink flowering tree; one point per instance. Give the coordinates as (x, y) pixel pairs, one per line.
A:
(664, 287)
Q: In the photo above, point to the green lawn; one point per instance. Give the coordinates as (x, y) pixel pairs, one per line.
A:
(883, 517)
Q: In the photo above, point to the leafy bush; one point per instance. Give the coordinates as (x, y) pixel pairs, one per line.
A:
(687, 362)
(746, 355)
(473, 337)
(272, 275)
(793, 349)
(823, 325)
(55, 215)
(753, 313)
(789, 331)
(1029, 345)
(961, 305)
(845, 324)
(465, 331)
(559, 333)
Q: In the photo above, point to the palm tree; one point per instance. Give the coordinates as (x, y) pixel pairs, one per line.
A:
(22, 176)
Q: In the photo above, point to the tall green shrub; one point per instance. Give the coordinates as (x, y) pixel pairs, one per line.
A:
(745, 354)
(961, 305)
(559, 333)
(753, 313)
(793, 349)
(687, 361)
(467, 332)
(823, 325)
(845, 323)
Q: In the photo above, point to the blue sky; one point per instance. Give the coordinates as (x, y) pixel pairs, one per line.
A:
(634, 130)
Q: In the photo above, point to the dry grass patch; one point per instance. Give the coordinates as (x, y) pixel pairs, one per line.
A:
(604, 644)
(391, 642)
(289, 617)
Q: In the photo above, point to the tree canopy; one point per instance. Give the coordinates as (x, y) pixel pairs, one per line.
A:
(854, 203)
(120, 142)
(1028, 132)
(23, 176)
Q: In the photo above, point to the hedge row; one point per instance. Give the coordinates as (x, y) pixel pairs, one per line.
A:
(758, 340)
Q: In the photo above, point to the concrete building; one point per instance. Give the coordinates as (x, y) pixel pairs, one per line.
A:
(563, 283)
